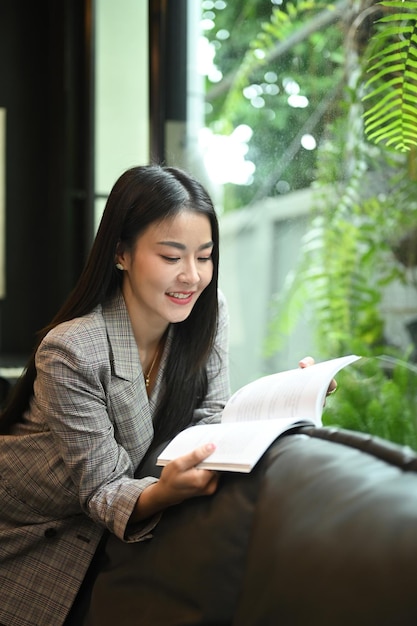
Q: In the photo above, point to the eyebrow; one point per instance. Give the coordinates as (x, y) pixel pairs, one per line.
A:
(181, 246)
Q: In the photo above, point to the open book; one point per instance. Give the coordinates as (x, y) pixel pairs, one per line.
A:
(257, 414)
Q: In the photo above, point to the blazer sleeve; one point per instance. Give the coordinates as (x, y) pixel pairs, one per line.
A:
(73, 373)
(218, 392)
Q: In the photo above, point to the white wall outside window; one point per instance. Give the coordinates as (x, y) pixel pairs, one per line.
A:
(121, 91)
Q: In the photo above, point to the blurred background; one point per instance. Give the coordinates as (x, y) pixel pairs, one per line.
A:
(300, 119)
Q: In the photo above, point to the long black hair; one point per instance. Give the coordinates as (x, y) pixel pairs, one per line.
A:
(141, 196)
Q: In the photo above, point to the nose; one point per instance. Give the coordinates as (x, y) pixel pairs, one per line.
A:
(189, 274)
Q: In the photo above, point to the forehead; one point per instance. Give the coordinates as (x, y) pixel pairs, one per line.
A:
(183, 225)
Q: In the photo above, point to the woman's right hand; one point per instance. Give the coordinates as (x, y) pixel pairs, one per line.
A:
(180, 479)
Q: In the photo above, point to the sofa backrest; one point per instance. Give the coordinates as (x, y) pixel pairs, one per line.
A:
(339, 546)
(323, 532)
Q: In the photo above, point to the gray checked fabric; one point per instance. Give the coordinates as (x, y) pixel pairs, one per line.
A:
(67, 473)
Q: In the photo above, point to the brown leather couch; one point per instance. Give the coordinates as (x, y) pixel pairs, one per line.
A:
(323, 532)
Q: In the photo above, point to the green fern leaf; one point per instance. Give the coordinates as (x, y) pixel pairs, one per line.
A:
(399, 4)
(392, 118)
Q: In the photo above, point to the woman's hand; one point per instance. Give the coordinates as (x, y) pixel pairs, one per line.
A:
(180, 479)
(306, 362)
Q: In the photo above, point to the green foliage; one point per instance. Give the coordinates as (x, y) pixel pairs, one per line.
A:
(364, 198)
(365, 205)
(309, 61)
(376, 396)
(392, 116)
(346, 262)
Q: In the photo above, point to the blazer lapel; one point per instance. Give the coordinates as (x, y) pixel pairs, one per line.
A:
(129, 407)
(124, 352)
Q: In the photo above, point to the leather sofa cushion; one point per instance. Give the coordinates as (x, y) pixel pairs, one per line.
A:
(321, 533)
(190, 572)
(339, 544)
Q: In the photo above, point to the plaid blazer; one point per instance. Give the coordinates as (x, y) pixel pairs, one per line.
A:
(67, 472)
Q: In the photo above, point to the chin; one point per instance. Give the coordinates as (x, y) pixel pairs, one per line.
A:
(179, 316)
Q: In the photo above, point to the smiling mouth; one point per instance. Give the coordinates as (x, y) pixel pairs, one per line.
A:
(179, 295)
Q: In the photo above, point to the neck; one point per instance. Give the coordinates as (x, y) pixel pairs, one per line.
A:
(150, 364)
(147, 331)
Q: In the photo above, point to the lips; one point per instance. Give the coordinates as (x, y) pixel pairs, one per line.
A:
(179, 294)
(180, 297)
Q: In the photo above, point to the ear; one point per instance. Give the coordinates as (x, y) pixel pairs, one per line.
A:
(120, 256)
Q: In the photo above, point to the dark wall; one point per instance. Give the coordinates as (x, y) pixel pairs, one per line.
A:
(46, 88)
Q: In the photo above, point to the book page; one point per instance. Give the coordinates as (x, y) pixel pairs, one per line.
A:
(297, 393)
(238, 446)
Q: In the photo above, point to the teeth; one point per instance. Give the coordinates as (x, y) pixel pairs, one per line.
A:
(181, 296)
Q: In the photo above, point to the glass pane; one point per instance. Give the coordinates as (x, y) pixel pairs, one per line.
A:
(309, 146)
(121, 92)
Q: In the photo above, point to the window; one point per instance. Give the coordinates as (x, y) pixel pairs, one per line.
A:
(310, 227)
(121, 92)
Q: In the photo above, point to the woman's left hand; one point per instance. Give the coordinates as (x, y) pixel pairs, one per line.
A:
(306, 362)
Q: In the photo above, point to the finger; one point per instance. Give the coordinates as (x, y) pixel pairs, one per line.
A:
(212, 483)
(332, 387)
(195, 457)
(306, 361)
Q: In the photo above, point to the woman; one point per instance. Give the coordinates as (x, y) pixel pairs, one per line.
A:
(137, 353)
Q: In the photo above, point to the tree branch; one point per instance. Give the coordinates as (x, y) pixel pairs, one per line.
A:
(323, 19)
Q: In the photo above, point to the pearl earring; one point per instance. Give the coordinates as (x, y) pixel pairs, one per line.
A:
(119, 266)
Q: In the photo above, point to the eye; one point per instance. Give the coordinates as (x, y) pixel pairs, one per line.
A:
(170, 259)
(204, 259)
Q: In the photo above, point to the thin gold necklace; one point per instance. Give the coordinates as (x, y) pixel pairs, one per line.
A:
(148, 375)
